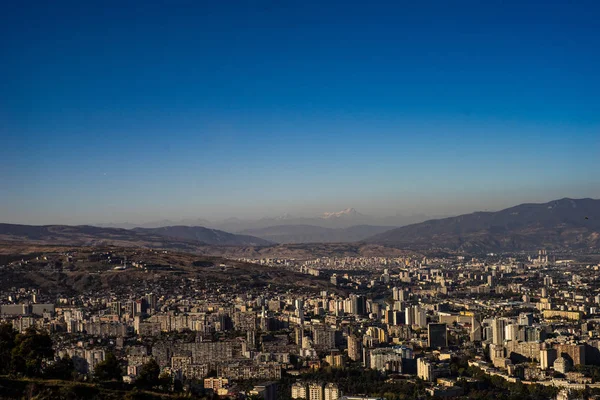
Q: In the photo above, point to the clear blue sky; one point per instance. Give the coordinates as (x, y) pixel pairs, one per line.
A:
(136, 111)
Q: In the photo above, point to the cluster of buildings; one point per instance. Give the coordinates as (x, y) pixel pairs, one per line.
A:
(524, 317)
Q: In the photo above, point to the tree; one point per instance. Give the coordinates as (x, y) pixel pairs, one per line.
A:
(32, 350)
(61, 369)
(164, 382)
(148, 376)
(177, 386)
(109, 369)
(7, 344)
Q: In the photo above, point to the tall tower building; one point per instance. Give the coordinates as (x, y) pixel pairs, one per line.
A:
(498, 325)
(437, 336)
(354, 348)
(408, 316)
(476, 332)
(547, 358)
(511, 332)
(424, 369)
(299, 334)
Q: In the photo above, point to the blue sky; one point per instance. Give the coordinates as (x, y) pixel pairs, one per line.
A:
(137, 111)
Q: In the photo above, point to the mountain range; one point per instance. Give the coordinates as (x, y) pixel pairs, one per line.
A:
(333, 220)
(316, 234)
(566, 224)
(560, 224)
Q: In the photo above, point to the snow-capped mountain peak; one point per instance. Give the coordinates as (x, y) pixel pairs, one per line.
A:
(284, 216)
(348, 212)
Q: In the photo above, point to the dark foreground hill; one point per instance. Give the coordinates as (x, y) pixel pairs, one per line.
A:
(559, 224)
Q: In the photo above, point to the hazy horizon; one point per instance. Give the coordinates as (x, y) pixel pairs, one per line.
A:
(133, 112)
(217, 218)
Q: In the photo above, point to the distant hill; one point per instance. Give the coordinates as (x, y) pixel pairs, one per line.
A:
(315, 234)
(170, 237)
(559, 224)
(205, 235)
(347, 218)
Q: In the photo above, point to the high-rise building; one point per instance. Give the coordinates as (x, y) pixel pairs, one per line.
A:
(425, 369)
(476, 332)
(415, 315)
(420, 317)
(299, 390)
(382, 358)
(511, 332)
(115, 308)
(315, 391)
(408, 316)
(399, 294)
(437, 335)
(306, 342)
(354, 348)
(150, 302)
(388, 317)
(398, 318)
(324, 337)
(562, 365)
(299, 334)
(251, 339)
(498, 325)
(526, 319)
(359, 304)
(534, 334)
(331, 392)
(547, 358)
(575, 353)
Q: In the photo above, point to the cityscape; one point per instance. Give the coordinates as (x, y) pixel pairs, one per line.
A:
(438, 325)
(317, 200)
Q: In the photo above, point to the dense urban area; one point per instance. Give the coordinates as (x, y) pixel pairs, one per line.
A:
(142, 323)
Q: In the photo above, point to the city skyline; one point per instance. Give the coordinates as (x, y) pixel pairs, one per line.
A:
(124, 113)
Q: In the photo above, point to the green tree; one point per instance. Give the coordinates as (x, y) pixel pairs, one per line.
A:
(32, 350)
(7, 344)
(149, 374)
(109, 369)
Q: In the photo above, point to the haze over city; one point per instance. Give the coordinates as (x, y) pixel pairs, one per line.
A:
(213, 110)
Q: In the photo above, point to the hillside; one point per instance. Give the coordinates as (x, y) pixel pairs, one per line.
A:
(183, 239)
(205, 235)
(315, 234)
(89, 272)
(559, 224)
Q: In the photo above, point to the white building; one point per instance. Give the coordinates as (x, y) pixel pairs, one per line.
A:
(299, 390)
(332, 392)
(425, 369)
(547, 358)
(315, 391)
